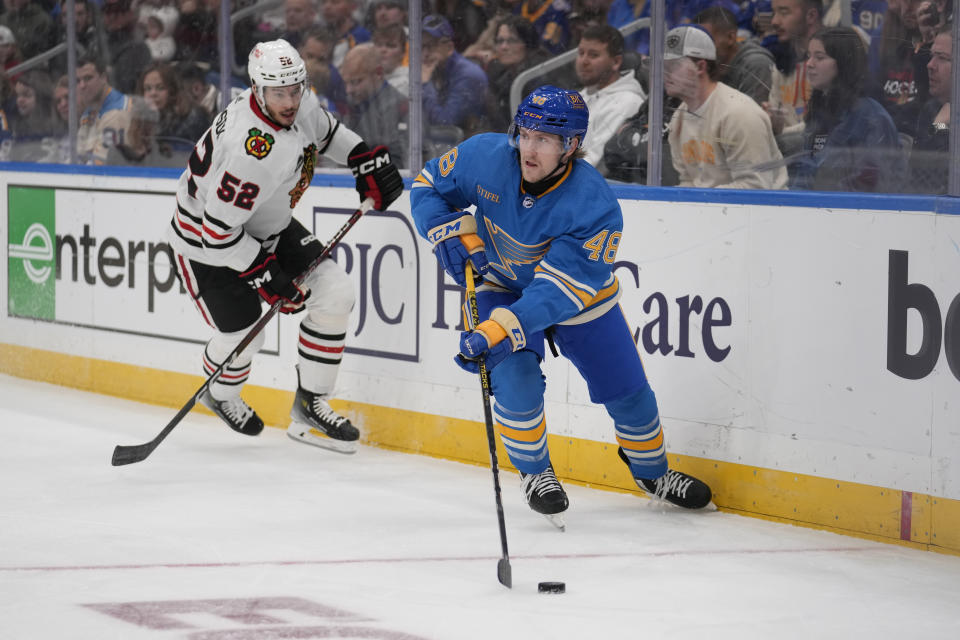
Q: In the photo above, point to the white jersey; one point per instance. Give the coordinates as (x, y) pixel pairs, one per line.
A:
(245, 176)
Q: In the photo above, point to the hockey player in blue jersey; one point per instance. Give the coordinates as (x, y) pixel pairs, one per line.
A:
(543, 241)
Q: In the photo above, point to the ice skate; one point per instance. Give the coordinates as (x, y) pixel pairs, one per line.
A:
(238, 415)
(675, 487)
(316, 423)
(545, 495)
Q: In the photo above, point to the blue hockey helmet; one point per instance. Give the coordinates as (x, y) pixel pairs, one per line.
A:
(552, 110)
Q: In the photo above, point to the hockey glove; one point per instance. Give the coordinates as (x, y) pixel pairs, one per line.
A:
(455, 240)
(493, 340)
(377, 176)
(270, 281)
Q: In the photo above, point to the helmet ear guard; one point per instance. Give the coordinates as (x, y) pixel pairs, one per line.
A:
(275, 64)
(552, 110)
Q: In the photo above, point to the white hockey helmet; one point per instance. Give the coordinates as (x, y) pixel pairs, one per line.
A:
(275, 64)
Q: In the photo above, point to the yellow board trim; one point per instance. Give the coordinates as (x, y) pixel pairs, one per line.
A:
(848, 508)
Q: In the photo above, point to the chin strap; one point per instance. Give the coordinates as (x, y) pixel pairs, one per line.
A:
(538, 187)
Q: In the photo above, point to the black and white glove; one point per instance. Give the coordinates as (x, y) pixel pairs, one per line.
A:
(377, 176)
(273, 284)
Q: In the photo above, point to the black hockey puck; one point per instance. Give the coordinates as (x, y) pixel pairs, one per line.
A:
(551, 587)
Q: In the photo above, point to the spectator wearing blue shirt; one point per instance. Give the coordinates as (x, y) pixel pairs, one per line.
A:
(850, 142)
(549, 18)
(454, 88)
(338, 16)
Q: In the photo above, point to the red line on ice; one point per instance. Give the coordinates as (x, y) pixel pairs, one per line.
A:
(346, 561)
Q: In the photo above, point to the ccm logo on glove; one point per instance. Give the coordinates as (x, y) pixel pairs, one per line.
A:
(368, 166)
(273, 284)
(456, 228)
(377, 176)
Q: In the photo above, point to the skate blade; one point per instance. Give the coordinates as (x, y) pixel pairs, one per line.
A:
(556, 519)
(656, 502)
(316, 438)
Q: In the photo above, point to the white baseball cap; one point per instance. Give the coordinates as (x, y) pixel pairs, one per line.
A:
(689, 41)
(6, 36)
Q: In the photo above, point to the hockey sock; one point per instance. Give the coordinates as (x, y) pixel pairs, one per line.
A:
(524, 435)
(637, 423)
(320, 351)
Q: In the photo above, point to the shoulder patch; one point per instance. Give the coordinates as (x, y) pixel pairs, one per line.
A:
(258, 143)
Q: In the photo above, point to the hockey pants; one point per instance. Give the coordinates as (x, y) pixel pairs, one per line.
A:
(604, 353)
(231, 307)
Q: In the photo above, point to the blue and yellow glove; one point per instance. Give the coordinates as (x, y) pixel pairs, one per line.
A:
(455, 241)
(493, 340)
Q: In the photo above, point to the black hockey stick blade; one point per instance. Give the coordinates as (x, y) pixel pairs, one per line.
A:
(129, 454)
(504, 574)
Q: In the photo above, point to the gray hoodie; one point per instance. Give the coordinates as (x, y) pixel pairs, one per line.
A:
(749, 71)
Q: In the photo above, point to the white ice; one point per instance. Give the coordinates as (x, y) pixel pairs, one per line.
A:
(219, 536)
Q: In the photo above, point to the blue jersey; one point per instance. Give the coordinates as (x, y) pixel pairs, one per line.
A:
(555, 251)
(550, 21)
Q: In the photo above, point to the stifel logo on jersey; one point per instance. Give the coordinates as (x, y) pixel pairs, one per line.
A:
(258, 143)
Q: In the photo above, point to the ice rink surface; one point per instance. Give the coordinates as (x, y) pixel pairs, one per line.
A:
(219, 536)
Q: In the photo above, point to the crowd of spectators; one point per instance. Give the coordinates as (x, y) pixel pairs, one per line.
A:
(759, 94)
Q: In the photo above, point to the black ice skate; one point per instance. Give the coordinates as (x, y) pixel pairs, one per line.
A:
(545, 495)
(238, 415)
(675, 487)
(316, 423)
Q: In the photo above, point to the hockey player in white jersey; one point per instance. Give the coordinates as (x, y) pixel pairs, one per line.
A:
(237, 244)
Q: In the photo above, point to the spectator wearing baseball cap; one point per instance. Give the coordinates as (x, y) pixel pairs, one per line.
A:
(9, 54)
(6, 36)
(454, 88)
(719, 137)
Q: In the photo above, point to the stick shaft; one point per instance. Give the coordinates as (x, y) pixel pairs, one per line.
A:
(503, 569)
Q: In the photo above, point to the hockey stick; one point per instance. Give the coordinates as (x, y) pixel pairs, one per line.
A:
(504, 573)
(124, 454)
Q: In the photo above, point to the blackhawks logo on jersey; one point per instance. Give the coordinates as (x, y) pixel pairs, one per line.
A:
(307, 163)
(258, 143)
